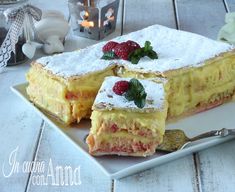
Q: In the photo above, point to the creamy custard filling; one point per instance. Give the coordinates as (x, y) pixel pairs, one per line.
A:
(203, 85)
(154, 122)
(58, 107)
(108, 137)
(42, 83)
(67, 111)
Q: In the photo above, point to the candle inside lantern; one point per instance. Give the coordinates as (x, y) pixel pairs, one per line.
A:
(94, 19)
(87, 24)
(84, 22)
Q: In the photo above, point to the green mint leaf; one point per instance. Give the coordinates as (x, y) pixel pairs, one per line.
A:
(136, 93)
(135, 56)
(139, 52)
(147, 50)
(135, 84)
(135, 60)
(129, 95)
(140, 102)
(143, 93)
(147, 46)
(152, 55)
(109, 55)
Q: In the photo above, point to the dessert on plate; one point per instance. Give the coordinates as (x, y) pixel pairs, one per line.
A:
(200, 72)
(128, 117)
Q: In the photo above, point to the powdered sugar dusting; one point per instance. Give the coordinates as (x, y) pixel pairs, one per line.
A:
(176, 49)
(76, 63)
(107, 99)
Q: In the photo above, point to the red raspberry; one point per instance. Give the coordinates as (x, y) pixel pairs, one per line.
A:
(132, 45)
(122, 51)
(109, 46)
(114, 128)
(120, 87)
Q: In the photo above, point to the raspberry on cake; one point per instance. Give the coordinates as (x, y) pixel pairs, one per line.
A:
(128, 50)
(120, 87)
(131, 123)
(109, 46)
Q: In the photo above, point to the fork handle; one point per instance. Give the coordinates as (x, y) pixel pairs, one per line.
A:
(222, 132)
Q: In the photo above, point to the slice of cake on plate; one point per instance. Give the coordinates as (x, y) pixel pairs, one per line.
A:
(128, 117)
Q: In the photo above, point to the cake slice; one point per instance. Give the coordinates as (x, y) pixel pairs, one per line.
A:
(128, 117)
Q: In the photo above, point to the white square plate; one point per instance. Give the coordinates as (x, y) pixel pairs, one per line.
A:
(118, 167)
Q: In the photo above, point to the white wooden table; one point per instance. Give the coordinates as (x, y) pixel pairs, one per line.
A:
(209, 170)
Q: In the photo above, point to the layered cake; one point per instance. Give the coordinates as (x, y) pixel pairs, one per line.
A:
(128, 117)
(200, 72)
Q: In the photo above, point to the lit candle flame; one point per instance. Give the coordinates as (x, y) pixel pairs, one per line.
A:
(86, 23)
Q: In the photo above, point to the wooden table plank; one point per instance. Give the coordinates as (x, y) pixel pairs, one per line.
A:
(140, 14)
(176, 176)
(202, 17)
(55, 147)
(19, 127)
(217, 168)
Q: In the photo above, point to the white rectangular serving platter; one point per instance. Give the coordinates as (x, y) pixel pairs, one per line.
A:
(117, 167)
